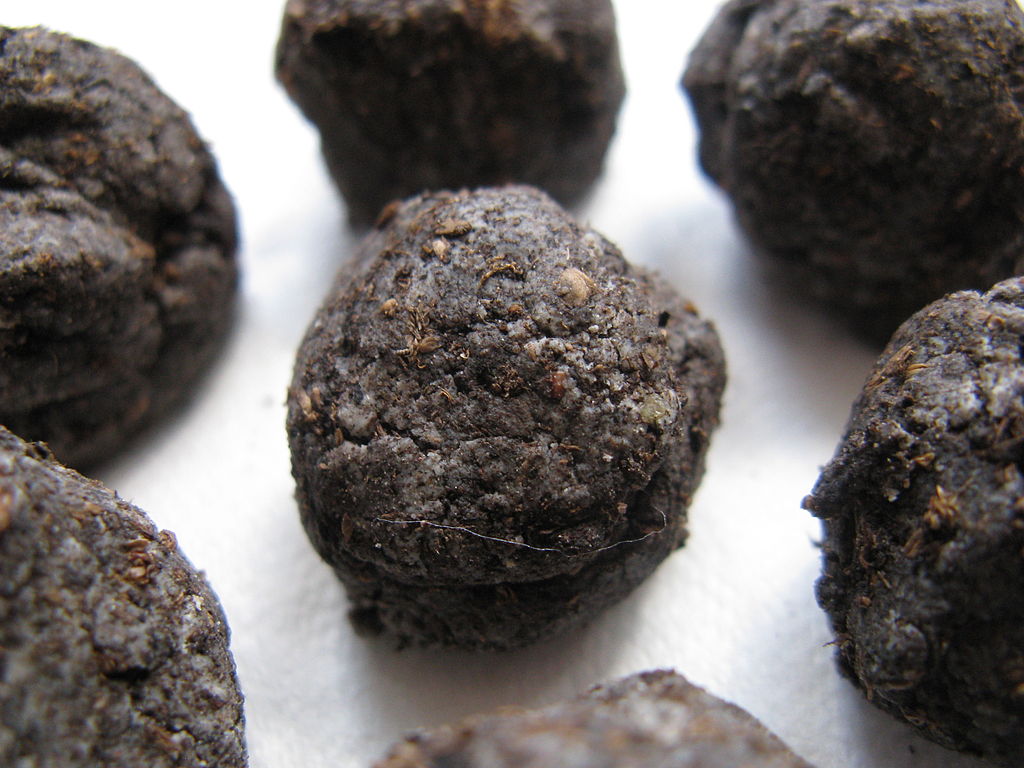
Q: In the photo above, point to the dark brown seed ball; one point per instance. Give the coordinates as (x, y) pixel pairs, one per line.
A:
(496, 423)
(113, 649)
(117, 241)
(873, 148)
(923, 509)
(648, 720)
(438, 94)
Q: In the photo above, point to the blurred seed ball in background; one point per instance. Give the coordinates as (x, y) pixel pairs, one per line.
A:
(444, 94)
(874, 150)
(117, 247)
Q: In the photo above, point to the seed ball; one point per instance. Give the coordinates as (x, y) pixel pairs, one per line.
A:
(872, 148)
(923, 510)
(117, 242)
(114, 649)
(434, 94)
(648, 720)
(494, 443)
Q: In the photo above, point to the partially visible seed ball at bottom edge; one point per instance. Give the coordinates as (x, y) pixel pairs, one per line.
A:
(647, 720)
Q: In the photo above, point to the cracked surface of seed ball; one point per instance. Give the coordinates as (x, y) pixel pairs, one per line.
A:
(113, 649)
(874, 148)
(923, 510)
(648, 720)
(117, 240)
(438, 94)
(496, 422)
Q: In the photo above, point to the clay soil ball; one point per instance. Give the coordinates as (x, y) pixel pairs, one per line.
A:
(873, 149)
(117, 242)
(923, 510)
(496, 422)
(443, 94)
(113, 648)
(647, 720)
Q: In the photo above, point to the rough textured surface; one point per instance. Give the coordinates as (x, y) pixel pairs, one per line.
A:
(117, 241)
(874, 148)
(113, 649)
(442, 94)
(648, 720)
(924, 526)
(496, 424)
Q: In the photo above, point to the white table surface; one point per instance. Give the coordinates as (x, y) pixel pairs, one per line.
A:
(734, 610)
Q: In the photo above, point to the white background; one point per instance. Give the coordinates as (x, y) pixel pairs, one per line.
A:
(734, 610)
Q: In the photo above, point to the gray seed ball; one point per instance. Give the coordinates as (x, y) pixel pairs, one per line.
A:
(496, 423)
(872, 148)
(113, 648)
(923, 510)
(433, 94)
(117, 247)
(647, 720)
